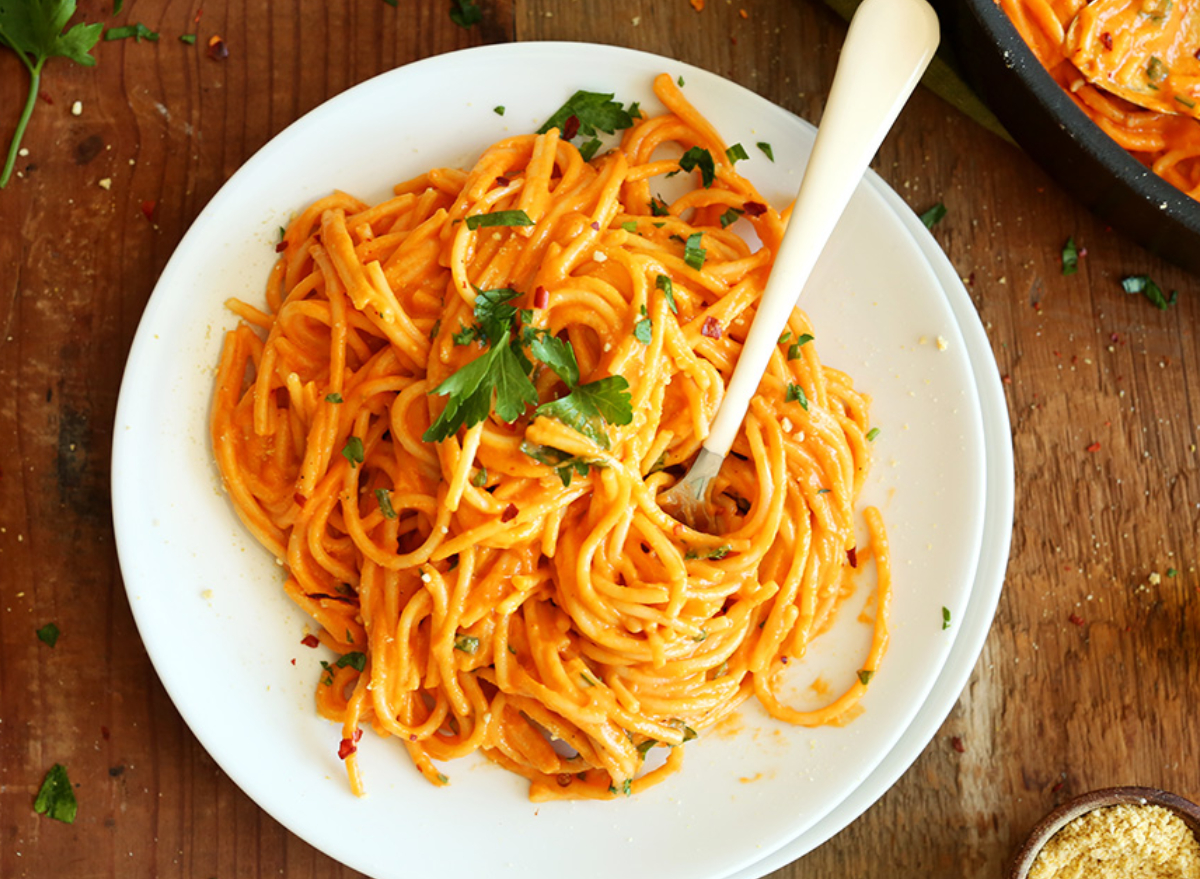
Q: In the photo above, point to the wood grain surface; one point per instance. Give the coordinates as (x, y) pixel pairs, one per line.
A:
(1090, 676)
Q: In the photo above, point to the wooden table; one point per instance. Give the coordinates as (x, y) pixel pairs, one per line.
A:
(1091, 673)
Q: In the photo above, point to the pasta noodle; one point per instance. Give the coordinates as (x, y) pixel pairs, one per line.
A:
(515, 588)
(1118, 54)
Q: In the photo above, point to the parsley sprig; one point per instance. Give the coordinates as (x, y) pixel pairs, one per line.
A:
(34, 30)
(502, 373)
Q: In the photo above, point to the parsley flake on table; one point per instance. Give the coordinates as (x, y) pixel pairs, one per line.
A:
(1144, 285)
(48, 634)
(138, 31)
(465, 13)
(56, 799)
(1070, 257)
(933, 216)
(33, 29)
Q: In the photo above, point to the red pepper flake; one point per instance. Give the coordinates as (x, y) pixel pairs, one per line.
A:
(148, 208)
(346, 747)
(595, 226)
(1106, 39)
(784, 660)
(300, 499)
(104, 733)
(42, 96)
(956, 743)
(570, 127)
(754, 208)
(711, 328)
(502, 181)
(1094, 447)
(217, 50)
(1075, 619)
(1058, 785)
(1007, 379)
(1196, 54)
(541, 297)
(281, 246)
(199, 12)
(282, 397)
(510, 513)
(310, 640)
(1114, 338)
(412, 737)
(852, 555)
(563, 779)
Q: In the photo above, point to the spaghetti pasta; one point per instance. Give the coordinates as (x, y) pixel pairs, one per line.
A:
(499, 576)
(1147, 104)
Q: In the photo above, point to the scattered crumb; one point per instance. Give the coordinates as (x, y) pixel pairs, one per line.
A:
(77, 108)
(106, 183)
(942, 344)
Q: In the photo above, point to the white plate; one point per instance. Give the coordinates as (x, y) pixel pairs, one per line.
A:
(208, 602)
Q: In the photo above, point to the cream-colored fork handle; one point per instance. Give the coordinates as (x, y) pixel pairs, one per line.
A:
(888, 47)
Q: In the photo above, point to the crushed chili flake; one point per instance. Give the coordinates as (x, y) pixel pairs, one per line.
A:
(698, 5)
(563, 779)
(104, 733)
(852, 556)
(743, 13)
(199, 12)
(1007, 379)
(42, 96)
(510, 513)
(217, 50)
(541, 297)
(1106, 39)
(956, 743)
(282, 397)
(281, 246)
(310, 640)
(293, 662)
(570, 127)
(502, 181)
(1058, 785)
(300, 499)
(148, 208)
(1094, 447)
(711, 328)
(595, 226)
(345, 748)
(784, 660)
(1075, 619)
(754, 208)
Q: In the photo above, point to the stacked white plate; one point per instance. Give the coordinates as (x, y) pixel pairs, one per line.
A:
(888, 309)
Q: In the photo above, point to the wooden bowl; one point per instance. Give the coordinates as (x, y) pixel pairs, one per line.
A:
(1097, 799)
(1063, 140)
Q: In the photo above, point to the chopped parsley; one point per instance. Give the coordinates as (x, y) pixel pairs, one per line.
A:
(693, 252)
(934, 215)
(591, 111)
(588, 150)
(1070, 257)
(872, 433)
(715, 553)
(190, 39)
(1144, 285)
(334, 398)
(465, 13)
(353, 659)
(564, 464)
(1156, 72)
(56, 798)
(629, 225)
(138, 31)
(385, 503)
(865, 675)
(795, 394)
(698, 157)
(730, 217)
(479, 480)
(327, 680)
(794, 348)
(498, 109)
(48, 634)
(736, 153)
(658, 207)
(499, 218)
(663, 282)
(766, 150)
(353, 451)
(466, 643)
(945, 618)
(643, 331)
(1187, 102)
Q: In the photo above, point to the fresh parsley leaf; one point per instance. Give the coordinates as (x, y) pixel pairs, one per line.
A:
(588, 150)
(1144, 285)
(558, 355)
(499, 218)
(138, 31)
(643, 331)
(736, 153)
(353, 451)
(680, 80)
(698, 157)
(117, 4)
(465, 13)
(48, 634)
(354, 659)
(1070, 257)
(498, 109)
(872, 433)
(589, 406)
(384, 497)
(796, 394)
(466, 643)
(663, 282)
(563, 464)
(470, 390)
(593, 110)
(467, 335)
(945, 618)
(693, 253)
(56, 798)
(730, 217)
(493, 311)
(514, 390)
(934, 215)
(33, 29)
(766, 150)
